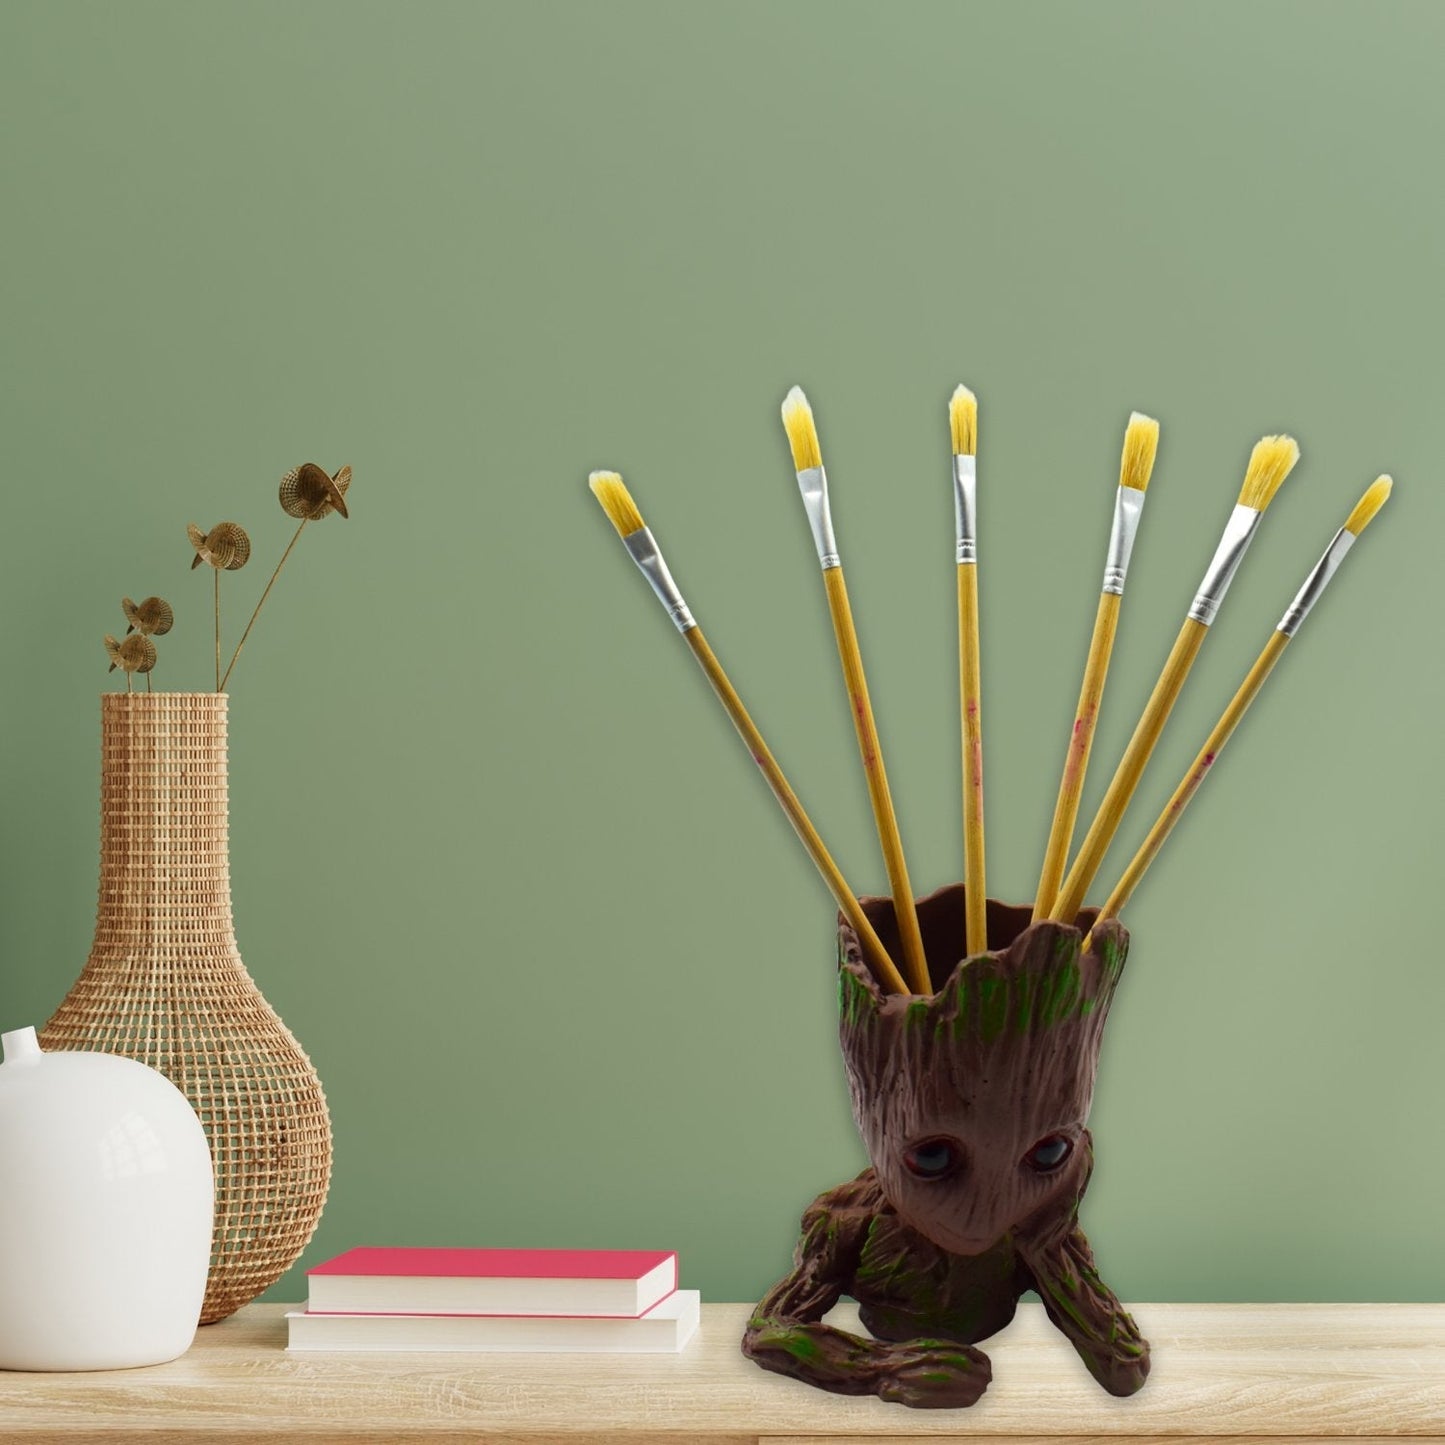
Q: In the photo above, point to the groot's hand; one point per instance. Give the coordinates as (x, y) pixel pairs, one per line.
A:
(1086, 1310)
(785, 1333)
(933, 1374)
(1118, 1374)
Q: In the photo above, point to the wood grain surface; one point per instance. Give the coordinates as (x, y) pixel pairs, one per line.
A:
(1249, 1372)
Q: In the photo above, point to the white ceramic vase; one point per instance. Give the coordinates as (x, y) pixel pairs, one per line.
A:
(106, 1207)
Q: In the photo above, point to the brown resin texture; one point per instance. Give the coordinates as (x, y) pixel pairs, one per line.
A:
(972, 1104)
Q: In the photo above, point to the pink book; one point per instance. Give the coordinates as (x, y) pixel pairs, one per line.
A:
(623, 1283)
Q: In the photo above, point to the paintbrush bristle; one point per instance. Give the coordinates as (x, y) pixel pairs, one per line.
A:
(1141, 442)
(617, 502)
(1376, 495)
(1270, 462)
(802, 431)
(963, 421)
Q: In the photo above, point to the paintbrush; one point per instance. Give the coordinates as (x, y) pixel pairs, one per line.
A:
(622, 512)
(1269, 464)
(813, 483)
(1141, 441)
(963, 425)
(1365, 509)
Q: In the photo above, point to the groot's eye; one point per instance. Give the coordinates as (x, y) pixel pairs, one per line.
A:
(933, 1159)
(1049, 1153)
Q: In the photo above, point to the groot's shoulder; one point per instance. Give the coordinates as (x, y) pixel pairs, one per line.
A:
(837, 1222)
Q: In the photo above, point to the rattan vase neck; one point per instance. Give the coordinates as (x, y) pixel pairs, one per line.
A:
(165, 877)
(165, 984)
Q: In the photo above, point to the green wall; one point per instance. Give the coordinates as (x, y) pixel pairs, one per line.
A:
(497, 857)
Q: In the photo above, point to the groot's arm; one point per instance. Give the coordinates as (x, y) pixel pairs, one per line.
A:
(1079, 1303)
(785, 1334)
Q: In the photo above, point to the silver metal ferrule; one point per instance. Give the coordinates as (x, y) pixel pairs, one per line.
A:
(965, 507)
(813, 484)
(1128, 508)
(649, 561)
(1238, 533)
(1316, 582)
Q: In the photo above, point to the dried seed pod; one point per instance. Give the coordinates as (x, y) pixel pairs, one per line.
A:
(152, 616)
(308, 493)
(226, 546)
(137, 653)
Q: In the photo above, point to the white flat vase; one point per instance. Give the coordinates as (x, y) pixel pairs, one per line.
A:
(106, 1207)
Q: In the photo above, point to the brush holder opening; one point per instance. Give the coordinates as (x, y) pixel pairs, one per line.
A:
(941, 922)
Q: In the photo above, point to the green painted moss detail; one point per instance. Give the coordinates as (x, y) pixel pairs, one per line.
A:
(1024, 986)
(962, 1363)
(960, 1019)
(799, 1344)
(993, 1004)
(1067, 1306)
(1112, 956)
(1057, 996)
(1066, 991)
(853, 999)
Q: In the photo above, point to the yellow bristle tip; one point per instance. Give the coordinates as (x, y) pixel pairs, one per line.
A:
(1141, 442)
(1270, 462)
(1376, 495)
(802, 431)
(617, 502)
(963, 421)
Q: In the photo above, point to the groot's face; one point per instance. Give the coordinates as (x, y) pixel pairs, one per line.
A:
(965, 1191)
(973, 1103)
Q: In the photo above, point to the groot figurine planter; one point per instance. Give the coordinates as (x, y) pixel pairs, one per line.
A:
(972, 1104)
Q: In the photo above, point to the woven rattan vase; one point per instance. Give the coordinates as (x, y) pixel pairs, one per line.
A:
(165, 984)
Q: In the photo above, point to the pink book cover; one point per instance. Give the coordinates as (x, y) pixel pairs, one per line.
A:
(578, 1283)
(429, 1263)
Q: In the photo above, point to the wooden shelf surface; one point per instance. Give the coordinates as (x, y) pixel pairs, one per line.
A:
(1249, 1372)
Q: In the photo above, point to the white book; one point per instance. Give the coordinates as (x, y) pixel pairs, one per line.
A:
(665, 1328)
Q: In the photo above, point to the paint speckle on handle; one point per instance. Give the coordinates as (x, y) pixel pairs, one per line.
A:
(1192, 787)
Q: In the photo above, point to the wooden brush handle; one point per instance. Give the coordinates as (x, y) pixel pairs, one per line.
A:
(1076, 761)
(970, 695)
(888, 836)
(877, 956)
(1130, 770)
(1198, 771)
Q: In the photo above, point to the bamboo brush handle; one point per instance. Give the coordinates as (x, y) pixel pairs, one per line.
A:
(873, 951)
(1198, 770)
(1076, 762)
(970, 695)
(914, 962)
(1130, 770)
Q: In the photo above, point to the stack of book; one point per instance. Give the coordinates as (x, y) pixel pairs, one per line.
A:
(495, 1299)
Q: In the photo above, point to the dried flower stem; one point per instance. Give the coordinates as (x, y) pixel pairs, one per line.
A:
(216, 571)
(237, 653)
